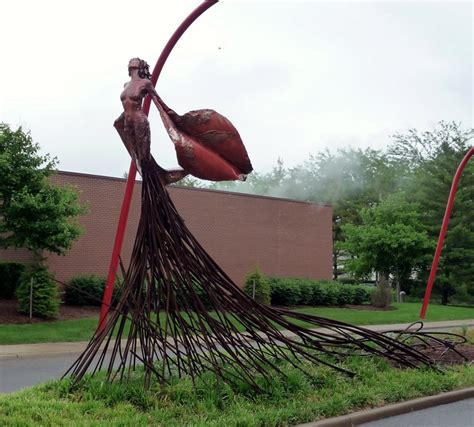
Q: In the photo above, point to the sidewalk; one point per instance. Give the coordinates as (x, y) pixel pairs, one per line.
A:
(18, 351)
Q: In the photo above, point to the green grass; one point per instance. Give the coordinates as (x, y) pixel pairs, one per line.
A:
(291, 400)
(82, 329)
(403, 313)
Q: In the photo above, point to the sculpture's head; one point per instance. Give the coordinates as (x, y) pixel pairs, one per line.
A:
(141, 65)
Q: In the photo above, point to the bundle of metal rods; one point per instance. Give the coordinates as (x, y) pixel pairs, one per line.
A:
(180, 314)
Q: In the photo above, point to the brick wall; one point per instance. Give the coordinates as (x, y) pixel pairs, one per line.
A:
(284, 237)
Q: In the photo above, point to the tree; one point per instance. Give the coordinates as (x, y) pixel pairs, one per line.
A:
(349, 180)
(33, 212)
(390, 239)
(431, 159)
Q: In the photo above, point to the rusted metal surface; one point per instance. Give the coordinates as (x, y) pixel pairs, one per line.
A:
(207, 144)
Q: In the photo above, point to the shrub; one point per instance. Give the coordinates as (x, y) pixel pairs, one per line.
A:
(45, 293)
(361, 295)
(293, 291)
(344, 294)
(330, 293)
(203, 296)
(318, 296)
(284, 292)
(382, 296)
(10, 275)
(85, 290)
(306, 292)
(258, 281)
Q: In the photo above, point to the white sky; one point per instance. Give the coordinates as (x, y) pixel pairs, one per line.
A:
(294, 77)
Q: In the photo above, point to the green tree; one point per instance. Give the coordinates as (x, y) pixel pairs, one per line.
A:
(390, 240)
(349, 180)
(431, 159)
(33, 212)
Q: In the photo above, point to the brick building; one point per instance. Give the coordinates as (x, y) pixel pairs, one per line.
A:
(283, 237)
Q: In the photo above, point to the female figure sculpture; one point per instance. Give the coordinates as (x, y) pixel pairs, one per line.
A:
(132, 125)
(207, 145)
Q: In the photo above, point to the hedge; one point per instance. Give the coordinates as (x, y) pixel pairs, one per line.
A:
(295, 291)
(89, 290)
(10, 275)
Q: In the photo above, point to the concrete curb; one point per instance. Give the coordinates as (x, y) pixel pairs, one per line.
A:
(365, 416)
(21, 351)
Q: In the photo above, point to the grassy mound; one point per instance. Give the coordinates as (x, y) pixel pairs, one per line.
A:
(295, 399)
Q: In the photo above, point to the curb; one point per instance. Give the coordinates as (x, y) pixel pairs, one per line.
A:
(365, 416)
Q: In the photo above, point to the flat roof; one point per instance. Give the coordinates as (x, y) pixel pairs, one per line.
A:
(179, 187)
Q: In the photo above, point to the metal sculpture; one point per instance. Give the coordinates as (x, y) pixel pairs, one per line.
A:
(179, 313)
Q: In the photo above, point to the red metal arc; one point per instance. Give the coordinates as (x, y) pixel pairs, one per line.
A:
(123, 218)
(444, 229)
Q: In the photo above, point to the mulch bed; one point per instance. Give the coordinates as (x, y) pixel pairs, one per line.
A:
(10, 315)
(451, 357)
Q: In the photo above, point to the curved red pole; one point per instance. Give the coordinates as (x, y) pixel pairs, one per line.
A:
(127, 198)
(444, 228)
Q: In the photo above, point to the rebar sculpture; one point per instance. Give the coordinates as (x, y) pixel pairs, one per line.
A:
(178, 311)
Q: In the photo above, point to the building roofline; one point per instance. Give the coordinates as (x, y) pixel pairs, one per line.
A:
(178, 187)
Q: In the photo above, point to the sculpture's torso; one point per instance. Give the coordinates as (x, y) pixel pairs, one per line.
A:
(132, 97)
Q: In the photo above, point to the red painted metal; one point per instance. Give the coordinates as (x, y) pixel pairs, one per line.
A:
(444, 229)
(109, 287)
(119, 235)
(172, 42)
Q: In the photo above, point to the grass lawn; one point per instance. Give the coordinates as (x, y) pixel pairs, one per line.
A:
(291, 400)
(403, 313)
(82, 329)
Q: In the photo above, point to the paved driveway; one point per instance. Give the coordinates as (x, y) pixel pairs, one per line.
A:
(25, 372)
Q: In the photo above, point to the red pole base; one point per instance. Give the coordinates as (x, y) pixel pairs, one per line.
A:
(119, 235)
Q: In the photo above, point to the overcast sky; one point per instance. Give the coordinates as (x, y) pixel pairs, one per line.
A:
(294, 77)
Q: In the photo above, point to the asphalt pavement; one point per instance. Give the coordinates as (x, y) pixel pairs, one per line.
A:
(456, 414)
(16, 374)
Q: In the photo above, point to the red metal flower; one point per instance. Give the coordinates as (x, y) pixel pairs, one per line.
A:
(207, 145)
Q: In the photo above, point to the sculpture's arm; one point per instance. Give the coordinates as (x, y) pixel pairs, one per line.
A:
(159, 103)
(174, 175)
(170, 176)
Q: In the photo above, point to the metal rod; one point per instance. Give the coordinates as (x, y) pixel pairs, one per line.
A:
(444, 229)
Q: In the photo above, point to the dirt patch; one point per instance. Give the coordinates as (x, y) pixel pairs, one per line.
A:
(10, 315)
(464, 353)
